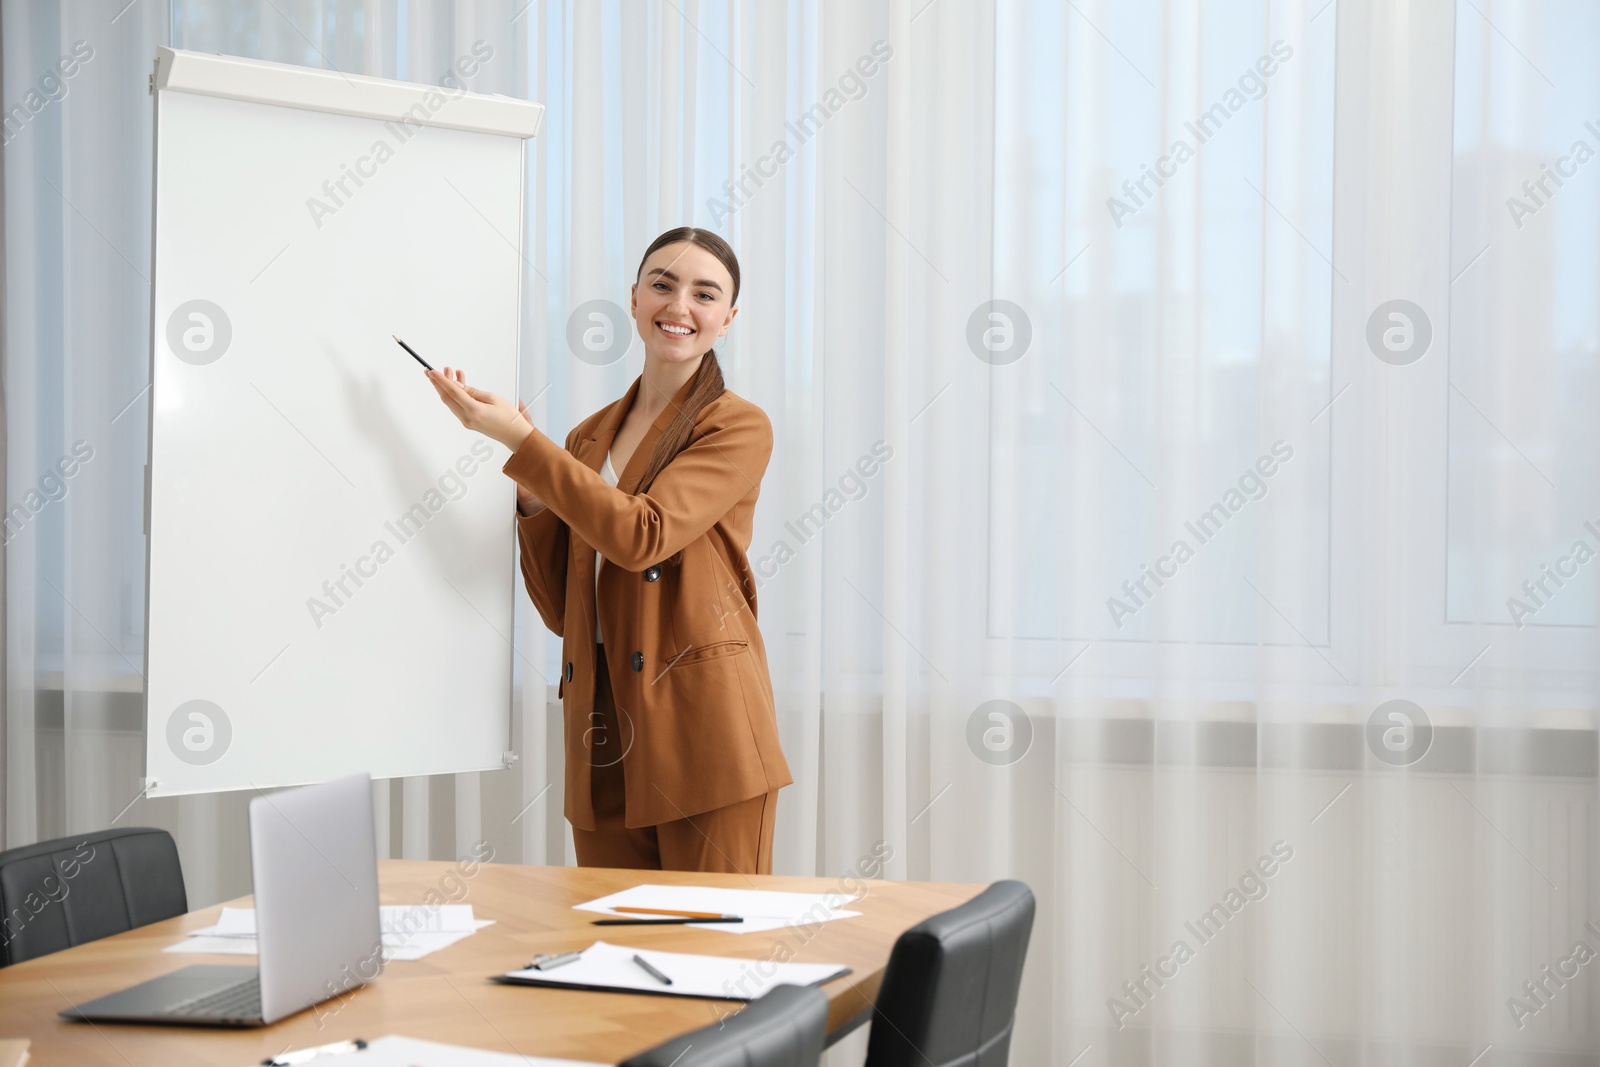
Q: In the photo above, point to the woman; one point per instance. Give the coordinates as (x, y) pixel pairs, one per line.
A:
(672, 753)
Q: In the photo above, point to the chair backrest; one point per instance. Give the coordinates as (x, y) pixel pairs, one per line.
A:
(784, 1028)
(949, 993)
(61, 893)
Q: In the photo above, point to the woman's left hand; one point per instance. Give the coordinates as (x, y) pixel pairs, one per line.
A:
(478, 409)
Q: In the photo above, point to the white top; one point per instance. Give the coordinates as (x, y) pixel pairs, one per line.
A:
(609, 473)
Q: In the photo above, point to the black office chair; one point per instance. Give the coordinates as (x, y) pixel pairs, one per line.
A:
(61, 893)
(784, 1028)
(949, 993)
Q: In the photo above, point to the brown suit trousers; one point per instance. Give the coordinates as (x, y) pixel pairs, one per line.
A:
(736, 838)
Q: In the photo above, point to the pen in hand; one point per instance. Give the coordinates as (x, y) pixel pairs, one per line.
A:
(413, 352)
(651, 971)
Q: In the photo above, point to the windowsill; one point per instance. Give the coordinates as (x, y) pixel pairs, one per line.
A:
(1224, 735)
(91, 674)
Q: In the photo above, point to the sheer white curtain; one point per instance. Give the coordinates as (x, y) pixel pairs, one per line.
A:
(1183, 447)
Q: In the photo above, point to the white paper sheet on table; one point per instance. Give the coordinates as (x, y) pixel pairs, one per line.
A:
(607, 966)
(392, 918)
(397, 1051)
(208, 945)
(762, 909)
(432, 926)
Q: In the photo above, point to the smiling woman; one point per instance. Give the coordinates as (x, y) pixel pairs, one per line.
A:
(636, 533)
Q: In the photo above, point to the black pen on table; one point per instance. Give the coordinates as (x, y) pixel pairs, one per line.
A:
(413, 352)
(651, 971)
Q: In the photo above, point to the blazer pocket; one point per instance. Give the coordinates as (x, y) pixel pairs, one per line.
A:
(715, 650)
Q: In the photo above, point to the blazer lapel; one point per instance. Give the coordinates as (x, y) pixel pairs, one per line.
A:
(628, 480)
(592, 453)
(592, 450)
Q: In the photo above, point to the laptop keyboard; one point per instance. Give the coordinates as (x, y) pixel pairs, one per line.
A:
(242, 1001)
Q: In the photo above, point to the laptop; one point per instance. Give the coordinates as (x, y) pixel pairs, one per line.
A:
(314, 868)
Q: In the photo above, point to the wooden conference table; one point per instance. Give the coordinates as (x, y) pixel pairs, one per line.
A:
(446, 996)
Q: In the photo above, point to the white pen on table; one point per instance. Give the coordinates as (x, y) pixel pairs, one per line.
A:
(546, 961)
(338, 1048)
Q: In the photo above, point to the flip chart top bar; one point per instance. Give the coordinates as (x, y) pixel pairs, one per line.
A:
(416, 103)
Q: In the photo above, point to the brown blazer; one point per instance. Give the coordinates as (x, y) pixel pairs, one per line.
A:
(687, 665)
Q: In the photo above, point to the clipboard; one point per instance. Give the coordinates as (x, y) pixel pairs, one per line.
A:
(663, 991)
(699, 976)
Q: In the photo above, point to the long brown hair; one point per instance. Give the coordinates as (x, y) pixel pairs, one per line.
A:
(707, 384)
